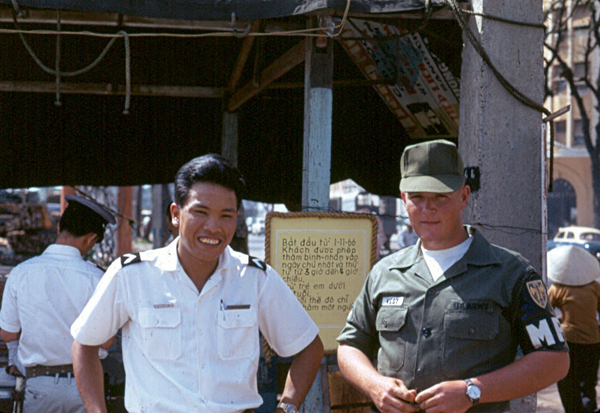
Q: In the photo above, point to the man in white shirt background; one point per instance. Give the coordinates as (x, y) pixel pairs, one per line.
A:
(42, 298)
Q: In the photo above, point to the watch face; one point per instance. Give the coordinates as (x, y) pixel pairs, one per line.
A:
(473, 391)
(287, 408)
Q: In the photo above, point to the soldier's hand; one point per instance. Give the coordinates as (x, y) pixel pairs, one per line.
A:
(391, 395)
(448, 396)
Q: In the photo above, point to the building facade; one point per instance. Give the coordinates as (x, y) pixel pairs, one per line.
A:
(568, 24)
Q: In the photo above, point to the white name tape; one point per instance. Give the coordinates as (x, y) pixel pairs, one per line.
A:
(393, 301)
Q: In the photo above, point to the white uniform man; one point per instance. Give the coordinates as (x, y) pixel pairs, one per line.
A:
(42, 298)
(191, 312)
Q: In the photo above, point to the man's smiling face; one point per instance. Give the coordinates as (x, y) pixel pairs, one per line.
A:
(207, 223)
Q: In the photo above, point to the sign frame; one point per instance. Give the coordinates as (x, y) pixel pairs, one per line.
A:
(361, 227)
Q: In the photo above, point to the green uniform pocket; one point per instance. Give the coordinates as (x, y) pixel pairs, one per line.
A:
(468, 341)
(389, 323)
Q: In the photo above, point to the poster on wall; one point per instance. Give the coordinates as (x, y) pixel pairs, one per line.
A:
(324, 258)
(425, 95)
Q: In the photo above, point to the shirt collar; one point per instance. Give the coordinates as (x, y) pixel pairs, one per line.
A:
(170, 261)
(480, 253)
(61, 249)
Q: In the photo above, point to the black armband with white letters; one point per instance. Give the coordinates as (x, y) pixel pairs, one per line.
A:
(539, 328)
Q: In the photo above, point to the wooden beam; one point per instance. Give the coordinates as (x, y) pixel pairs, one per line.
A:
(157, 90)
(242, 57)
(336, 83)
(111, 89)
(274, 71)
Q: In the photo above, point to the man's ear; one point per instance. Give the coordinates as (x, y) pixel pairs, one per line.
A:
(465, 193)
(91, 239)
(175, 213)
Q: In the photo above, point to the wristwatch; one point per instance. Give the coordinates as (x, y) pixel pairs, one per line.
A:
(287, 408)
(473, 391)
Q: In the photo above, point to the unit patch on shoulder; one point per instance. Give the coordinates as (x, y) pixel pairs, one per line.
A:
(537, 292)
(130, 258)
(255, 262)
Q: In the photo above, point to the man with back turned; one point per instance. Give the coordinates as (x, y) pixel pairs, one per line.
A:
(42, 298)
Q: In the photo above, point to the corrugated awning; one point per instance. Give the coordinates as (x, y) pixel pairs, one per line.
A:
(180, 89)
(222, 9)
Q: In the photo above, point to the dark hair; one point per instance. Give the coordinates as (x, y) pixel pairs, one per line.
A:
(80, 220)
(210, 168)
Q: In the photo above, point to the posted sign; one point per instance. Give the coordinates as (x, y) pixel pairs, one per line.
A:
(325, 259)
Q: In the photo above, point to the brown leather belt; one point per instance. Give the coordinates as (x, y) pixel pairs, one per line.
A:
(62, 370)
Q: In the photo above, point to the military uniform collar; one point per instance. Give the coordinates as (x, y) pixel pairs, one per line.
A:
(480, 254)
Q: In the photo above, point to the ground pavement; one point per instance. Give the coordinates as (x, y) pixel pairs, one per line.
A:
(548, 400)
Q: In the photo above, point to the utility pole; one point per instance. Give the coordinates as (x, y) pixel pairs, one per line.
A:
(500, 137)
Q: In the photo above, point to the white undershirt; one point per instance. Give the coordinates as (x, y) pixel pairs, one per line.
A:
(438, 261)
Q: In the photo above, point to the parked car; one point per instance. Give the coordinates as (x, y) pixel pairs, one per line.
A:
(593, 247)
(249, 221)
(258, 227)
(575, 234)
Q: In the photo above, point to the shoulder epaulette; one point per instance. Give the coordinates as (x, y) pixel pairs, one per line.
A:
(130, 258)
(257, 263)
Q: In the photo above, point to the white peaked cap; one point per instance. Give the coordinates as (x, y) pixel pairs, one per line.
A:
(572, 265)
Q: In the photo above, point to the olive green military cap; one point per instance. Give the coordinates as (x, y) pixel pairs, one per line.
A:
(434, 166)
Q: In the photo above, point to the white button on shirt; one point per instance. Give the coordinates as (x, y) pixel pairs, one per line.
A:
(188, 351)
(42, 298)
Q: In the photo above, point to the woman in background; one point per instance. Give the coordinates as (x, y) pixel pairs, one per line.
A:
(576, 292)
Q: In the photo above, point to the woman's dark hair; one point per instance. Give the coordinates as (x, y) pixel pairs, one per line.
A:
(80, 220)
(210, 168)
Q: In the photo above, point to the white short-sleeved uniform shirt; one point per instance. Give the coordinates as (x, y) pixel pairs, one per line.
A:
(187, 351)
(42, 298)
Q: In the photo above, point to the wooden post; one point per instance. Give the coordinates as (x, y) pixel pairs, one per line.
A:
(66, 190)
(318, 104)
(229, 139)
(316, 171)
(501, 136)
(124, 229)
(229, 150)
(158, 216)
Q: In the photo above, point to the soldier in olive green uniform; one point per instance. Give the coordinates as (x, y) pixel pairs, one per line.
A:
(443, 318)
